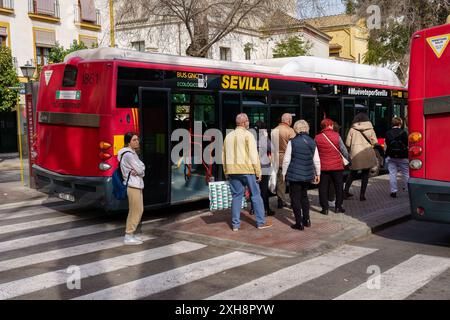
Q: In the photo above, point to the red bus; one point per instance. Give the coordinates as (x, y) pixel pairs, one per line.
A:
(429, 124)
(89, 101)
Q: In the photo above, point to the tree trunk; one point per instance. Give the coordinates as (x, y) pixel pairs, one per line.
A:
(200, 37)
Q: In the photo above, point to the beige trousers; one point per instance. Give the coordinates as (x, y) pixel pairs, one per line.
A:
(281, 186)
(136, 208)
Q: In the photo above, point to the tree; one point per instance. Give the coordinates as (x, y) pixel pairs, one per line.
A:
(8, 80)
(390, 43)
(57, 53)
(206, 21)
(291, 47)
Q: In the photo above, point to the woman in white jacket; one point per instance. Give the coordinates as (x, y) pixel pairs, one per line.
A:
(133, 171)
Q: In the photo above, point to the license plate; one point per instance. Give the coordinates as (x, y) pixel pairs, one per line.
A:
(66, 196)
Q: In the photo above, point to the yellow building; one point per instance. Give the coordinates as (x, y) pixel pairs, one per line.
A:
(349, 37)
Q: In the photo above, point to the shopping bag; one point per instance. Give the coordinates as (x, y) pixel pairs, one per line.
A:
(220, 197)
(273, 179)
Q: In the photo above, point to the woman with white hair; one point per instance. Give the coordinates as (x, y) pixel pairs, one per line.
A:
(301, 166)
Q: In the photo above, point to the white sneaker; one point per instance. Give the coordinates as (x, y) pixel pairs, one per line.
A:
(138, 237)
(331, 203)
(131, 240)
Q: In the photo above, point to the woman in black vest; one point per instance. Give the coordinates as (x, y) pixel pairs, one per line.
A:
(301, 166)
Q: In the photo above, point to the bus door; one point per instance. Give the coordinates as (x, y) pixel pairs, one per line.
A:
(283, 103)
(349, 113)
(400, 109)
(309, 113)
(379, 116)
(256, 106)
(155, 137)
(329, 107)
(230, 105)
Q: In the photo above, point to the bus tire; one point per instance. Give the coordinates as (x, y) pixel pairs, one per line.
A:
(375, 171)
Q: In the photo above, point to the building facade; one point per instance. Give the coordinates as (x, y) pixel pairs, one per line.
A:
(32, 27)
(349, 37)
(248, 42)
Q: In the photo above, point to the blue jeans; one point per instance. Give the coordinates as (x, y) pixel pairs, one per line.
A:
(394, 166)
(237, 186)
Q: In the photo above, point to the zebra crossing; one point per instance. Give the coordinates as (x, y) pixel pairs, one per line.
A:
(37, 265)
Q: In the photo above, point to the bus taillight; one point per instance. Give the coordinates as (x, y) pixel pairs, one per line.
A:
(105, 145)
(415, 137)
(415, 164)
(415, 151)
(104, 166)
(420, 211)
(104, 156)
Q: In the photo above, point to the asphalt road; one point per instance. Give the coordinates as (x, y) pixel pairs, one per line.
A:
(50, 253)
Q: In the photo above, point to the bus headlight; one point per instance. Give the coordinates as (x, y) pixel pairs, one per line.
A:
(415, 164)
(104, 166)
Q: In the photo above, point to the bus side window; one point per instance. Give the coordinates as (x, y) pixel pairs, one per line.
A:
(70, 76)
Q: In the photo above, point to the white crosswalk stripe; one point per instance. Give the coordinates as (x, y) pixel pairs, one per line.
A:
(402, 280)
(63, 253)
(166, 280)
(41, 223)
(275, 283)
(56, 236)
(43, 281)
(35, 211)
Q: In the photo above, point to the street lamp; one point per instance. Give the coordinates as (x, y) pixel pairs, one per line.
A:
(28, 72)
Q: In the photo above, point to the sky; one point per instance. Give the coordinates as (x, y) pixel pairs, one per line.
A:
(306, 8)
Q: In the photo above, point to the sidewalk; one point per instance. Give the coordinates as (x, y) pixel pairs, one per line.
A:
(11, 188)
(326, 233)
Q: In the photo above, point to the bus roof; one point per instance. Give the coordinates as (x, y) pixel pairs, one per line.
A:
(303, 66)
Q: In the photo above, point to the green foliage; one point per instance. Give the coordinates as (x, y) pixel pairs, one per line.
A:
(390, 45)
(8, 78)
(349, 6)
(57, 53)
(291, 47)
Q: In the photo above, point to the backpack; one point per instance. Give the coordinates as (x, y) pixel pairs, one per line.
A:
(120, 189)
(397, 148)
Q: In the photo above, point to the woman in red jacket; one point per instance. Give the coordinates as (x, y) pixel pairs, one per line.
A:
(331, 149)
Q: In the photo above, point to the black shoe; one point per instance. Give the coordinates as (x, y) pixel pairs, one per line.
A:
(298, 226)
(270, 212)
(280, 204)
(347, 195)
(394, 194)
(307, 223)
(339, 210)
(362, 198)
(325, 212)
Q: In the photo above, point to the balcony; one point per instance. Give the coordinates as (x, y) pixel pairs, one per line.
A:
(89, 23)
(6, 7)
(44, 10)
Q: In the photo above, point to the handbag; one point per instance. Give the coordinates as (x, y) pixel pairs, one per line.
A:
(220, 197)
(344, 159)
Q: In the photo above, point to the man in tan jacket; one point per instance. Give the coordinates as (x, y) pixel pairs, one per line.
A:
(241, 165)
(280, 138)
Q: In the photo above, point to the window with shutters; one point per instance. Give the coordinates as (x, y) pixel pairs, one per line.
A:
(90, 42)
(44, 10)
(7, 7)
(87, 16)
(225, 53)
(3, 36)
(44, 40)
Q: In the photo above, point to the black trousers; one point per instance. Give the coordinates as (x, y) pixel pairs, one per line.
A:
(364, 180)
(327, 177)
(298, 192)
(264, 186)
